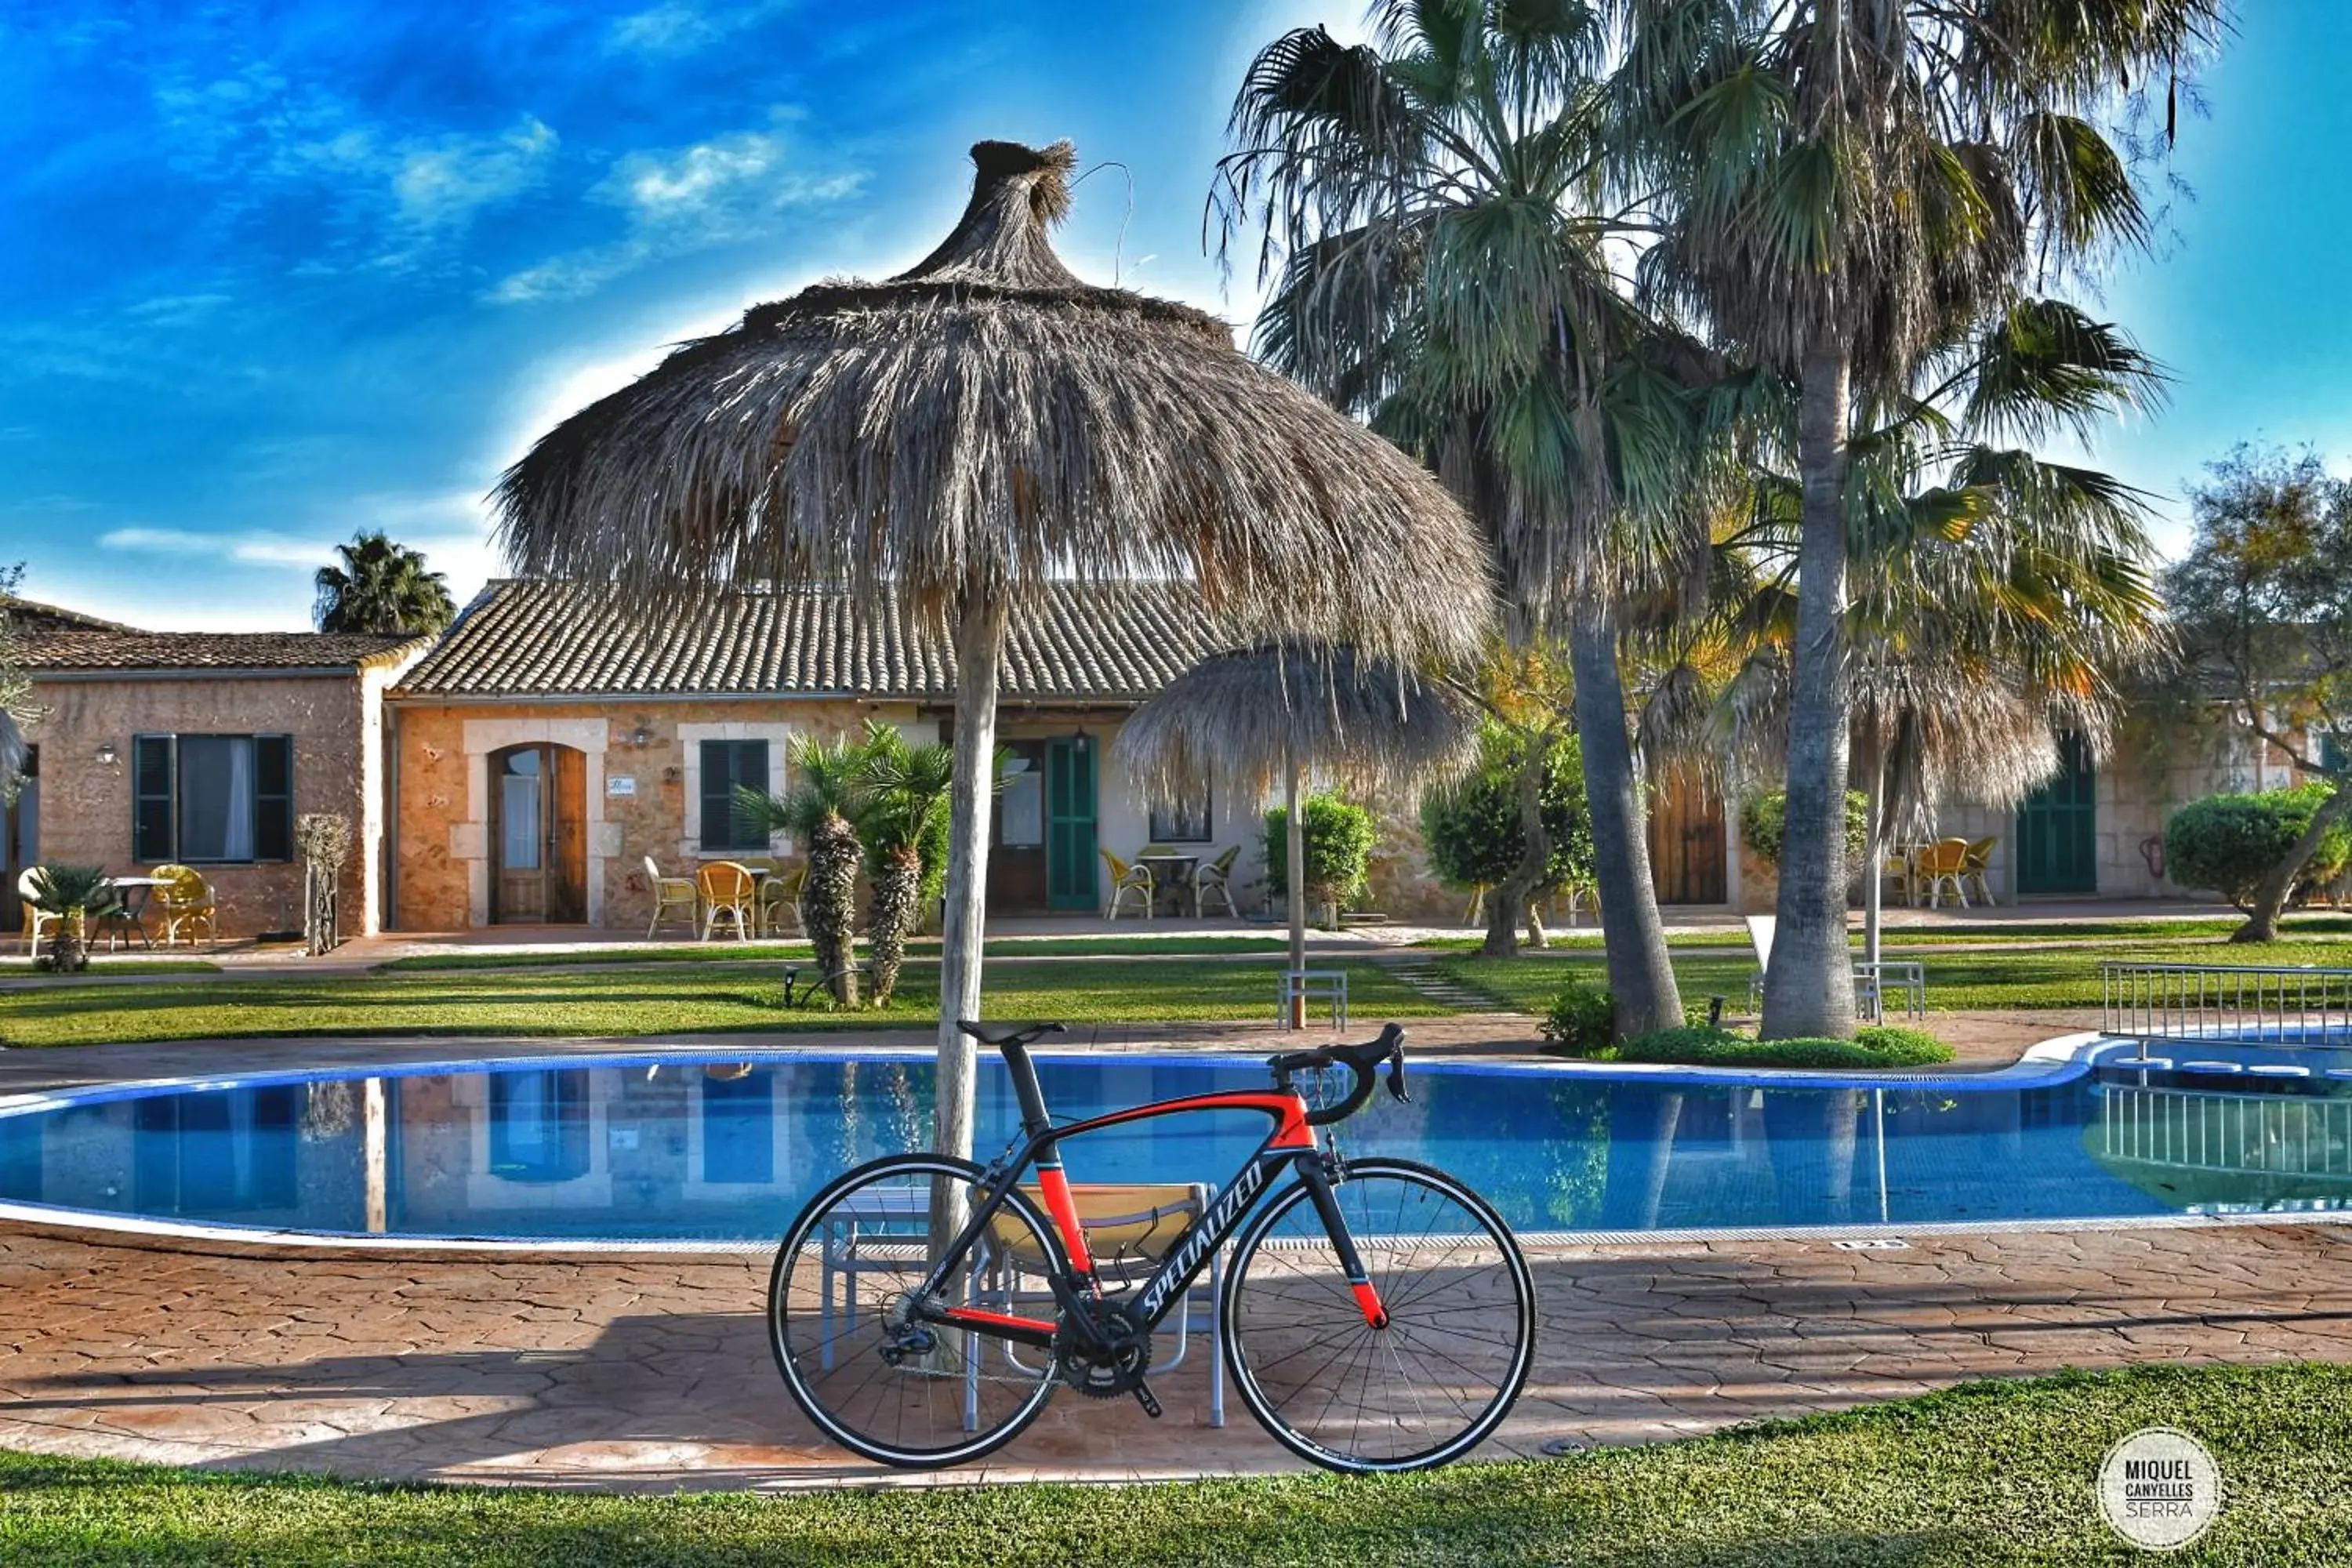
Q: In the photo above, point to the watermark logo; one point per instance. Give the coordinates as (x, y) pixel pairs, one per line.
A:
(2159, 1489)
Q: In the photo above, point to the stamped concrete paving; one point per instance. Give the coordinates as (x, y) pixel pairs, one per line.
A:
(653, 1371)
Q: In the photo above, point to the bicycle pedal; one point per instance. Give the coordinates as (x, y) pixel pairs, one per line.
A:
(1143, 1397)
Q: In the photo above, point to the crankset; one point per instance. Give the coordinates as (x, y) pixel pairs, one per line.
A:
(1110, 1362)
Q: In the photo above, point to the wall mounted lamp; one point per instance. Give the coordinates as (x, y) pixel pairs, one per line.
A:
(106, 753)
(641, 737)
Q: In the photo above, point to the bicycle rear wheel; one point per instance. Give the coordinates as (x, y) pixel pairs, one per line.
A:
(917, 1395)
(1427, 1387)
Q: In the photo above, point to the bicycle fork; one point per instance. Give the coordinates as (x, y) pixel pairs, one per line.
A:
(1317, 1180)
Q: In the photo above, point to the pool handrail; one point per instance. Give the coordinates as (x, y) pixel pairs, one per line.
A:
(2291, 1006)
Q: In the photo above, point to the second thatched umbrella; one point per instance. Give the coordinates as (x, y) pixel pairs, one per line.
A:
(1239, 721)
(964, 434)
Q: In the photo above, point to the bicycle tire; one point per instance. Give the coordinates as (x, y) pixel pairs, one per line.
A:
(1292, 1328)
(810, 1361)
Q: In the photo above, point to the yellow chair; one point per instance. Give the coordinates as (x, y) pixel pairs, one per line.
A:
(1216, 876)
(1901, 865)
(779, 902)
(1975, 876)
(1942, 865)
(1127, 879)
(37, 924)
(1129, 1228)
(670, 894)
(186, 901)
(728, 892)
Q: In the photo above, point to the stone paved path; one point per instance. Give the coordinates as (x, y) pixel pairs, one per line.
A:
(655, 1372)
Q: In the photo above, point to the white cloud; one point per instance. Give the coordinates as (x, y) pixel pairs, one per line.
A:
(725, 189)
(683, 27)
(255, 549)
(442, 184)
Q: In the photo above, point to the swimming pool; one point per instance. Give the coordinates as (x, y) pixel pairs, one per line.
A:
(680, 1147)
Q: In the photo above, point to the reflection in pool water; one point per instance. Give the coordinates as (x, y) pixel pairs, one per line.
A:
(697, 1149)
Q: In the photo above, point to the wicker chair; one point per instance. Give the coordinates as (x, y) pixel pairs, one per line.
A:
(1941, 865)
(1975, 876)
(37, 924)
(728, 892)
(779, 902)
(670, 894)
(187, 904)
(1217, 878)
(1125, 878)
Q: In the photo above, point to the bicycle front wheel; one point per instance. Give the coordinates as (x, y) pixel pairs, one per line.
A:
(1426, 1387)
(915, 1394)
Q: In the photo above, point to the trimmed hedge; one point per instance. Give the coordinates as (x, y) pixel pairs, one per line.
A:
(1581, 1021)
(1880, 1046)
(2230, 842)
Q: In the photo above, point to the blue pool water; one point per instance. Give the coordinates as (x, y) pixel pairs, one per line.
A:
(692, 1148)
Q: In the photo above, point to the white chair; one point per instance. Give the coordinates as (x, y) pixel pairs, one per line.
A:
(37, 923)
(670, 894)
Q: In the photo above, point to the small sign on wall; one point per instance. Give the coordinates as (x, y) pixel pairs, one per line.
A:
(620, 784)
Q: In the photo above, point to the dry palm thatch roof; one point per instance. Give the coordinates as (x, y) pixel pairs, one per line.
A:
(984, 424)
(1240, 719)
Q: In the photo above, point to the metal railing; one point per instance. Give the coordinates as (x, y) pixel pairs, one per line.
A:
(2266, 1006)
(2189, 1129)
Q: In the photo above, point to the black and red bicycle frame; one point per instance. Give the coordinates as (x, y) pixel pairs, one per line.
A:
(1291, 1144)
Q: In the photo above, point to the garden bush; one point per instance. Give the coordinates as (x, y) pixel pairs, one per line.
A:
(1471, 827)
(1340, 839)
(1879, 1046)
(1764, 823)
(2230, 842)
(1582, 1021)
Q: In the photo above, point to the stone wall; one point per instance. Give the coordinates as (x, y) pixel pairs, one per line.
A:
(85, 803)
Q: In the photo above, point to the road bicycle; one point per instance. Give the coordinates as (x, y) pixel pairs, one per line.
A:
(1376, 1315)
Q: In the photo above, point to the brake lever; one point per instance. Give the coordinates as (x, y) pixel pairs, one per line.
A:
(1396, 1077)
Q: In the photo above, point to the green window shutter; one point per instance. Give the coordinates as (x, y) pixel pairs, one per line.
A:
(273, 798)
(151, 805)
(725, 765)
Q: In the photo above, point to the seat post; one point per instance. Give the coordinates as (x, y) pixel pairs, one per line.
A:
(1025, 1086)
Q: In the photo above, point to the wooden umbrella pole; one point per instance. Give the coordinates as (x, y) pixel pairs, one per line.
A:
(978, 646)
(1295, 848)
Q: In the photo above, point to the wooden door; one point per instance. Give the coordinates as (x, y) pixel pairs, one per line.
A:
(1686, 842)
(1016, 853)
(1070, 858)
(539, 842)
(2057, 827)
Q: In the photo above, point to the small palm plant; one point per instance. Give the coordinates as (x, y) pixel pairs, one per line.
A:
(903, 812)
(73, 894)
(822, 810)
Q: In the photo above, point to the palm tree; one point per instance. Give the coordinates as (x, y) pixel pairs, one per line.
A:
(1844, 186)
(820, 810)
(73, 894)
(381, 587)
(1429, 207)
(903, 791)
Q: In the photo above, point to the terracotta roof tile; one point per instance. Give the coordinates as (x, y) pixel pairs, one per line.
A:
(1113, 642)
(77, 648)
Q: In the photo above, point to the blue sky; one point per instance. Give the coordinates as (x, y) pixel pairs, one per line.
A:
(273, 272)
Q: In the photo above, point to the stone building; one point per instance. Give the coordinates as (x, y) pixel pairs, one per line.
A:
(201, 748)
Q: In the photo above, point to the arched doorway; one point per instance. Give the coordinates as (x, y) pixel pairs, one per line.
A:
(539, 844)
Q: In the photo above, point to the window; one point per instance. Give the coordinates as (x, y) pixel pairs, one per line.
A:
(539, 1124)
(739, 1129)
(726, 764)
(212, 798)
(1185, 821)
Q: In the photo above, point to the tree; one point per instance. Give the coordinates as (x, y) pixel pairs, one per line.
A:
(903, 791)
(2263, 604)
(1844, 186)
(820, 810)
(18, 711)
(381, 587)
(1429, 209)
(1338, 838)
(1472, 829)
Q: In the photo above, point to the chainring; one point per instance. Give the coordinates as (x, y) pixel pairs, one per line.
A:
(1105, 1372)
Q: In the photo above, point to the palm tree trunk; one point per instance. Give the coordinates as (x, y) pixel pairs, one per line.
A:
(1809, 987)
(1509, 903)
(2270, 899)
(1641, 972)
(898, 891)
(979, 646)
(829, 904)
(1294, 849)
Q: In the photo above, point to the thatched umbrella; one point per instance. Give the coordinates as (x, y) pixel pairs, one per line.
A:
(1241, 720)
(966, 432)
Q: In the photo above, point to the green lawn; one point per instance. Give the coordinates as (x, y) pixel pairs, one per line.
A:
(1990, 1474)
(662, 999)
(2300, 926)
(103, 964)
(2021, 976)
(723, 952)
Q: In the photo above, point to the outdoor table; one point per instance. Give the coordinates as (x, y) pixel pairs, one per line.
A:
(1171, 871)
(136, 890)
